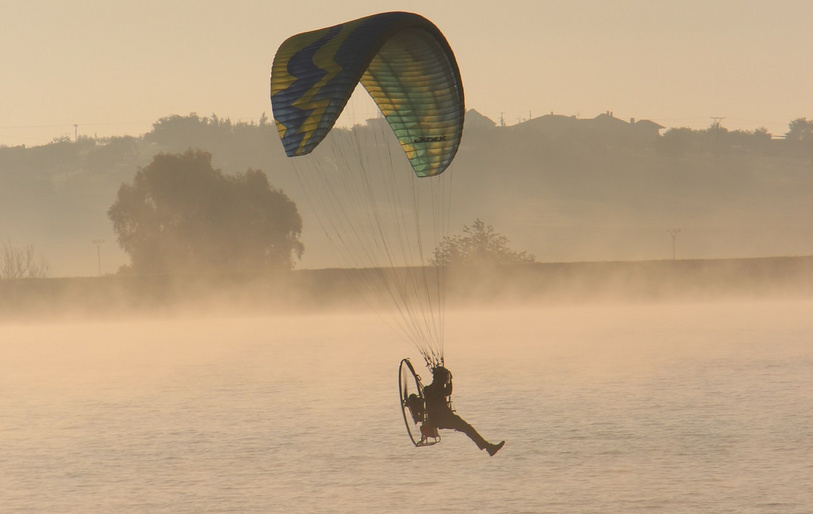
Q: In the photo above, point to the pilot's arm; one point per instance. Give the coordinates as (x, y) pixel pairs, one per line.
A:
(447, 387)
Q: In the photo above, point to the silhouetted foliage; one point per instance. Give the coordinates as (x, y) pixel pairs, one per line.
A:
(478, 245)
(678, 141)
(25, 262)
(181, 214)
(800, 130)
(715, 139)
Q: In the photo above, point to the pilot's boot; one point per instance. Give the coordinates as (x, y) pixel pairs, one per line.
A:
(494, 448)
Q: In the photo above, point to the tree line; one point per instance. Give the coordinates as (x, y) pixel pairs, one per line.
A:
(69, 186)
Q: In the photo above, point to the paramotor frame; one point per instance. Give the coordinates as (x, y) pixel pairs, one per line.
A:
(413, 406)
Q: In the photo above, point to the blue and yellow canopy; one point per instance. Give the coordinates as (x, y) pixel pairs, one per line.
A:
(400, 58)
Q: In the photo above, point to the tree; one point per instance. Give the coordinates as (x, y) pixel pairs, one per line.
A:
(25, 262)
(478, 245)
(800, 130)
(181, 214)
(678, 141)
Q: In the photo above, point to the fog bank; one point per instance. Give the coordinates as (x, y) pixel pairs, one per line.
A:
(303, 291)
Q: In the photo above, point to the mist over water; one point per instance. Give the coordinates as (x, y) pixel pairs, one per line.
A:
(695, 407)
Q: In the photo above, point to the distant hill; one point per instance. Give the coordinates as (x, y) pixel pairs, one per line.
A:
(560, 187)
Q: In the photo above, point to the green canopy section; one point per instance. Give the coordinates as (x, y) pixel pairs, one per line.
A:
(401, 59)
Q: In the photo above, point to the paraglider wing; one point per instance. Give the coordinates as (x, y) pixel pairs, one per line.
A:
(401, 59)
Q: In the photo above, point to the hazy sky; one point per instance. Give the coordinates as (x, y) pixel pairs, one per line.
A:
(115, 67)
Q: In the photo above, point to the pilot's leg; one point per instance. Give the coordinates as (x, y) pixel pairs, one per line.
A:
(455, 422)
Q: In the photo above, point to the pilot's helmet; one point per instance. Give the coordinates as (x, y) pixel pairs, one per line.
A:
(440, 374)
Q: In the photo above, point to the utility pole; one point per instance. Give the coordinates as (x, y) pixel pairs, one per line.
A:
(98, 243)
(673, 232)
(717, 120)
(75, 132)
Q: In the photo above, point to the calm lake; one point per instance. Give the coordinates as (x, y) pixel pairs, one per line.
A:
(605, 408)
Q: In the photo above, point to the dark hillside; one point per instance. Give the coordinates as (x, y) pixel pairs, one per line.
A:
(562, 188)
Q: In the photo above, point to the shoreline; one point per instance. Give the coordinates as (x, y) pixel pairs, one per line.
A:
(334, 289)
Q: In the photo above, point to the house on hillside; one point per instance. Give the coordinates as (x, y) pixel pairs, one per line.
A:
(606, 122)
(646, 128)
(605, 126)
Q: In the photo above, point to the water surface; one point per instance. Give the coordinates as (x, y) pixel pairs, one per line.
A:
(667, 408)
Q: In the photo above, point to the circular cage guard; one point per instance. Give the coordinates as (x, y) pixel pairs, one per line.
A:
(413, 406)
